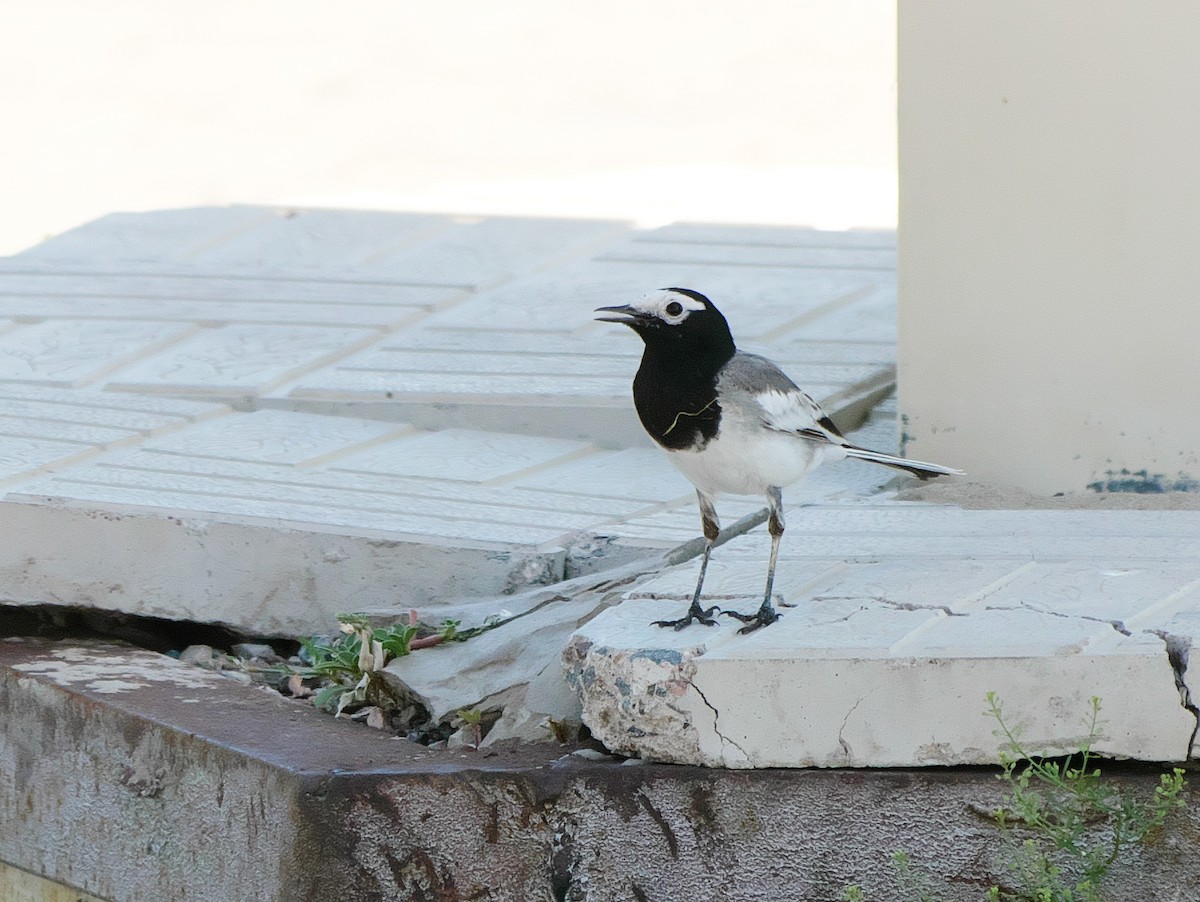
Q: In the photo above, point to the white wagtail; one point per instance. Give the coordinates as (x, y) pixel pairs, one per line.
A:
(732, 422)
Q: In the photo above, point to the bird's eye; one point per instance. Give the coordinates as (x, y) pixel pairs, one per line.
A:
(674, 308)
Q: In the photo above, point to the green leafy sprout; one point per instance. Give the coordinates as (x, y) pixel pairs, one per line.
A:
(1063, 826)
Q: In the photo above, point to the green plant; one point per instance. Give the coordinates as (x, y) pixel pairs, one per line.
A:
(915, 884)
(351, 662)
(471, 719)
(1065, 826)
(346, 666)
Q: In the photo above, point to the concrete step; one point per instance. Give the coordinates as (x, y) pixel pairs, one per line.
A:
(899, 622)
(207, 779)
(273, 522)
(263, 418)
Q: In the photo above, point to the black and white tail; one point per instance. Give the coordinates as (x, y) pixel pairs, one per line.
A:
(917, 468)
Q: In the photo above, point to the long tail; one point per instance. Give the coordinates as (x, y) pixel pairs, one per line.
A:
(918, 468)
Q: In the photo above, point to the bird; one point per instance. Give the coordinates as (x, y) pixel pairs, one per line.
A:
(732, 422)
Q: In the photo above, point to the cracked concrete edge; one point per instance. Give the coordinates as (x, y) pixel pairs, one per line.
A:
(167, 789)
(670, 705)
(258, 577)
(225, 791)
(1179, 649)
(528, 643)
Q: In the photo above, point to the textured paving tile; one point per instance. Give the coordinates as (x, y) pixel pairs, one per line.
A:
(230, 303)
(531, 345)
(46, 427)
(239, 358)
(275, 521)
(75, 353)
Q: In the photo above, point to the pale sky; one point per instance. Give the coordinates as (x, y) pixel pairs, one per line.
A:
(780, 111)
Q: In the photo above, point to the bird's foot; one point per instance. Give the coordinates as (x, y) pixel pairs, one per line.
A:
(764, 616)
(695, 614)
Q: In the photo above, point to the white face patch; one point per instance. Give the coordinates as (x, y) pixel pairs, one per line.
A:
(669, 306)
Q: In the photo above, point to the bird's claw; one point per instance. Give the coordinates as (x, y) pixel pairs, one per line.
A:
(695, 614)
(764, 616)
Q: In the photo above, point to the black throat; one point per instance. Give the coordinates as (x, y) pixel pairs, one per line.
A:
(675, 389)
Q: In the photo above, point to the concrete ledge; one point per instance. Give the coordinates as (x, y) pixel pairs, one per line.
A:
(895, 640)
(131, 776)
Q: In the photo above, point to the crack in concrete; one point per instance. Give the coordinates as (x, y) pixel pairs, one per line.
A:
(716, 718)
(887, 602)
(1177, 648)
(849, 753)
(1118, 625)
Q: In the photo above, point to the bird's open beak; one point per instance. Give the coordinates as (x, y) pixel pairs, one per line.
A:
(623, 314)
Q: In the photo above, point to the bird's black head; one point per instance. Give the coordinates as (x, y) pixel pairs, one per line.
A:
(676, 322)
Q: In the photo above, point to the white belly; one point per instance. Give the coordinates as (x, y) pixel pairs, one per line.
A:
(736, 464)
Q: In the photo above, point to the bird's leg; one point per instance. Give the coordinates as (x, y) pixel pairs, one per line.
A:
(712, 526)
(766, 614)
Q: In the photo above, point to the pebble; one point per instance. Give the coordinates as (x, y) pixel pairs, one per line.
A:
(198, 655)
(248, 651)
(592, 755)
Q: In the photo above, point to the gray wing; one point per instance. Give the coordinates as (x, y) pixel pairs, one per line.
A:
(779, 402)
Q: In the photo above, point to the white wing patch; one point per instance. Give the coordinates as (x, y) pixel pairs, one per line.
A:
(794, 411)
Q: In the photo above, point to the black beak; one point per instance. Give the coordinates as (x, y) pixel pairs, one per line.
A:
(623, 314)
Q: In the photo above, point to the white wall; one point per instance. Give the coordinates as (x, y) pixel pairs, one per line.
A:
(1049, 238)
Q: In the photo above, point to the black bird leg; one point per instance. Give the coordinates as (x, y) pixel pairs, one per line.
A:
(712, 526)
(766, 614)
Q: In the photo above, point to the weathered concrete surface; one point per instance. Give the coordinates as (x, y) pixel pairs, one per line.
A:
(897, 636)
(21, 886)
(433, 320)
(131, 776)
(497, 446)
(257, 576)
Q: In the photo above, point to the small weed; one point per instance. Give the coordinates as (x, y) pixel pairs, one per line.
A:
(1063, 827)
(350, 663)
(472, 720)
(914, 883)
(1074, 824)
(342, 673)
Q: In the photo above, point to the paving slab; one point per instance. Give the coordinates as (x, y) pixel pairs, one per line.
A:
(887, 649)
(130, 776)
(42, 429)
(230, 303)
(426, 416)
(432, 320)
(526, 353)
(273, 522)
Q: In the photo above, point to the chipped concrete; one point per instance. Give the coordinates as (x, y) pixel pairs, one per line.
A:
(864, 670)
(249, 796)
(401, 440)
(397, 443)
